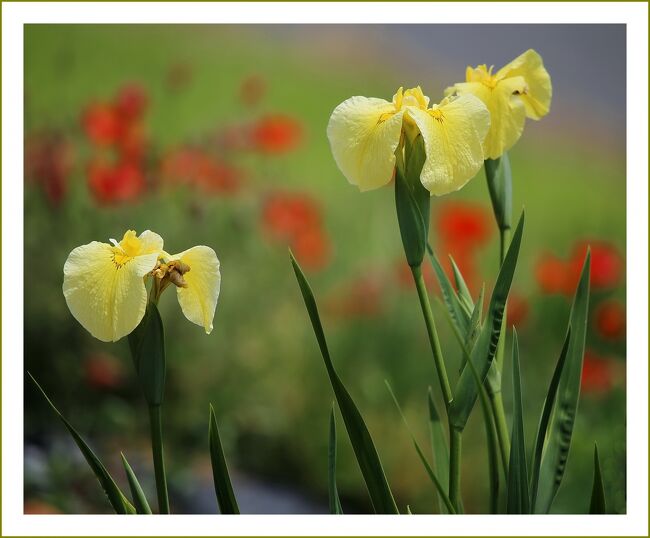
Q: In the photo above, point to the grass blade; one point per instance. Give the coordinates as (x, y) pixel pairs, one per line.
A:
(118, 501)
(518, 499)
(364, 449)
(484, 350)
(335, 501)
(139, 499)
(432, 475)
(440, 451)
(556, 451)
(597, 504)
(464, 295)
(222, 484)
(544, 419)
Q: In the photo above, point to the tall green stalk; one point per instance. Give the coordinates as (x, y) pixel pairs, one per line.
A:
(155, 421)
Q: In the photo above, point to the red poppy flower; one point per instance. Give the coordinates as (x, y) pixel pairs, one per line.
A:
(103, 371)
(252, 90)
(131, 102)
(553, 275)
(132, 144)
(610, 320)
(111, 184)
(597, 374)
(49, 159)
(607, 265)
(285, 216)
(463, 225)
(196, 168)
(102, 124)
(311, 248)
(276, 134)
(517, 309)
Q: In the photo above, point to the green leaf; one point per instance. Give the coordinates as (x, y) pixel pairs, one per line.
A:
(139, 499)
(597, 504)
(118, 501)
(432, 475)
(518, 499)
(556, 451)
(364, 449)
(499, 180)
(458, 314)
(335, 501)
(463, 293)
(222, 484)
(147, 344)
(545, 417)
(483, 352)
(440, 450)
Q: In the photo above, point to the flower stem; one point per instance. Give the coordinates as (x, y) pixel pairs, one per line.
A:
(155, 420)
(433, 334)
(496, 401)
(455, 448)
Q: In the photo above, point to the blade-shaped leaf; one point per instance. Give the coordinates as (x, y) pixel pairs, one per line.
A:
(432, 475)
(518, 499)
(456, 311)
(222, 484)
(463, 292)
(597, 504)
(483, 352)
(544, 419)
(118, 500)
(440, 451)
(364, 449)
(139, 499)
(556, 452)
(335, 501)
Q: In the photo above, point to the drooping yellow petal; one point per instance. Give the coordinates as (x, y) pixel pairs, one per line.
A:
(453, 133)
(199, 299)
(104, 288)
(538, 88)
(507, 112)
(364, 134)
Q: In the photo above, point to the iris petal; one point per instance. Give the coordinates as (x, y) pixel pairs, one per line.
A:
(108, 299)
(364, 134)
(539, 91)
(452, 141)
(199, 299)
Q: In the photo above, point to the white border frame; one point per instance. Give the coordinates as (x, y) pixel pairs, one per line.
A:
(635, 15)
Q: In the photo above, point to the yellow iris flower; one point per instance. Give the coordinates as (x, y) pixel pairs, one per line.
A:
(104, 284)
(520, 89)
(365, 133)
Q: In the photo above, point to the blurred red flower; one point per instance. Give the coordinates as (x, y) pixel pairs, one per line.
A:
(115, 183)
(276, 134)
(196, 168)
(103, 371)
(553, 274)
(606, 263)
(311, 248)
(49, 158)
(131, 102)
(610, 319)
(597, 373)
(102, 124)
(296, 219)
(359, 298)
(463, 225)
(517, 309)
(33, 506)
(252, 90)
(557, 276)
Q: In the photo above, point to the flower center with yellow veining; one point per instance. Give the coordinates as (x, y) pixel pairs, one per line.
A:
(127, 249)
(436, 114)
